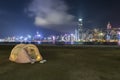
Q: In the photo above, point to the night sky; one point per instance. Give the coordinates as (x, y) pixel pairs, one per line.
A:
(17, 17)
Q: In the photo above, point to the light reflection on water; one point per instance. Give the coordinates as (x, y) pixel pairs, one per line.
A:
(64, 43)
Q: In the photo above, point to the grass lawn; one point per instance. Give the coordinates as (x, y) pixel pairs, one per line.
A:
(64, 63)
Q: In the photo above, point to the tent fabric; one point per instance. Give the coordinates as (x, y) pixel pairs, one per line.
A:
(25, 53)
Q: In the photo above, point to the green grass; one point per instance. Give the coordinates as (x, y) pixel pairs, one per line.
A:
(64, 63)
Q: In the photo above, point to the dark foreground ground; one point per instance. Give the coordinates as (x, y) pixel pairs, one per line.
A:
(64, 63)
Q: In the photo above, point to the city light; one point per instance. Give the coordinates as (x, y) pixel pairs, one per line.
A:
(29, 36)
(80, 19)
(80, 35)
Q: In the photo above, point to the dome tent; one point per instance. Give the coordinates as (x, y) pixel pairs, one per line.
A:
(25, 53)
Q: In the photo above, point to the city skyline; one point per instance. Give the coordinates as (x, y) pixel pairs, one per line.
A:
(17, 17)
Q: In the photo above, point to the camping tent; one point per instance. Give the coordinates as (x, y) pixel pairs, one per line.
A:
(25, 53)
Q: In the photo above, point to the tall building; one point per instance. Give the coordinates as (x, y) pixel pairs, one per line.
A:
(108, 36)
(80, 29)
(76, 34)
(109, 26)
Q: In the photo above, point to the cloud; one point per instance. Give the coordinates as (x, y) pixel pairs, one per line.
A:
(50, 13)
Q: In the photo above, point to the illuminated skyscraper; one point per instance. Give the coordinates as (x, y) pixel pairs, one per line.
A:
(108, 36)
(80, 29)
(76, 34)
(109, 26)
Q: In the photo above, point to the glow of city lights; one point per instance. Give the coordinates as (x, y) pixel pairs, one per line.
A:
(53, 37)
(21, 37)
(119, 43)
(80, 19)
(71, 34)
(25, 39)
(37, 32)
(101, 34)
(29, 36)
(39, 42)
(39, 35)
(119, 33)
